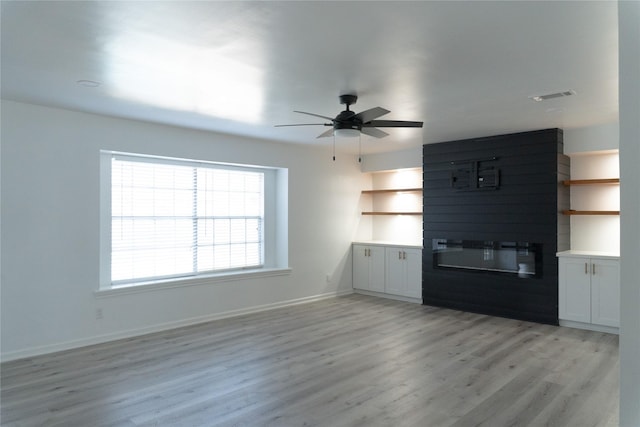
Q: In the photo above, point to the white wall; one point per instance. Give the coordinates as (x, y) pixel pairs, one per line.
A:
(593, 138)
(629, 46)
(409, 158)
(50, 235)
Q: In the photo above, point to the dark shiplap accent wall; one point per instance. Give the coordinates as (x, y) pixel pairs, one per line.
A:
(525, 208)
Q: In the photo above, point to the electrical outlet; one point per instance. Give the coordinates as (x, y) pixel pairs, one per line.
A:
(98, 313)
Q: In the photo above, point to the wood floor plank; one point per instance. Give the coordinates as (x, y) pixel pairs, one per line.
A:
(347, 361)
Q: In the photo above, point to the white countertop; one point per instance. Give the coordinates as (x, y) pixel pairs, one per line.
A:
(389, 243)
(582, 254)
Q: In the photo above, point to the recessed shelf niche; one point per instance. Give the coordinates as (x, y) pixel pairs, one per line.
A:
(598, 181)
(595, 201)
(392, 191)
(394, 205)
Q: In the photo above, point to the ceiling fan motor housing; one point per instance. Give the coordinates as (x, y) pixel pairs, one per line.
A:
(347, 120)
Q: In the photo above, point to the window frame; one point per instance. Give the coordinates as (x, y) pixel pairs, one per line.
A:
(275, 232)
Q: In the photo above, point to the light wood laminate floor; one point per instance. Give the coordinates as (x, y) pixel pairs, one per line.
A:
(347, 361)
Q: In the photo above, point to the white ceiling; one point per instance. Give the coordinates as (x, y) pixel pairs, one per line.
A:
(466, 69)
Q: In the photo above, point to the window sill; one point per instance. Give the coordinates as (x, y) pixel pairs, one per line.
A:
(192, 281)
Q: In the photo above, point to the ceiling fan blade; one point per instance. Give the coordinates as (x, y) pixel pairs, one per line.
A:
(377, 133)
(326, 134)
(301, 124)
(392, 124)
(316, 115)
(370, 114)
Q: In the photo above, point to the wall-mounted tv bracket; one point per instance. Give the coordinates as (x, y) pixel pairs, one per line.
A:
(476, 176)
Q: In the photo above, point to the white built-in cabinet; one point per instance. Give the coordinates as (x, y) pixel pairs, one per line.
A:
(388, 270)
(589, 273)
(403, 275)
(368, 268)
(589, 290)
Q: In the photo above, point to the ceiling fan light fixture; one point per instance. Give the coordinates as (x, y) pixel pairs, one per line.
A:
(347, 133)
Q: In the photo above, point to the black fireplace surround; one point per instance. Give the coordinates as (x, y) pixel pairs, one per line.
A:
(492, 224)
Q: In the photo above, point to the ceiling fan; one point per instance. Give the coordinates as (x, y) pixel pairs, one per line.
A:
(350, 124)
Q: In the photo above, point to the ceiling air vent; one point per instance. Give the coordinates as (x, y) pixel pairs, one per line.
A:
(539, 98)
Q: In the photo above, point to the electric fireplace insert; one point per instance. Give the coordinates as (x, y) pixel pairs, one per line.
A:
(518, 259)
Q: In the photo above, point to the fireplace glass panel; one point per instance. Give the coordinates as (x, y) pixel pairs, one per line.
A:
(523, 259)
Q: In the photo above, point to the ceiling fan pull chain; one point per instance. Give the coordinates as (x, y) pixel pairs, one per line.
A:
(360, 148)
(334, 146)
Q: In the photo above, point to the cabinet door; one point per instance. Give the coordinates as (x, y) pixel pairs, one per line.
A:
(360, 267)
(396, 283)
(414, 272)
(404, 272)
(575, 289)
(376, 268)
(605, 292)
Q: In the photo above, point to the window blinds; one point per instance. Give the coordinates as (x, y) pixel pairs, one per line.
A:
(172, 219)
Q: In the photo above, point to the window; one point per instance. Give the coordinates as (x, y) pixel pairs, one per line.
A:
(170, 218)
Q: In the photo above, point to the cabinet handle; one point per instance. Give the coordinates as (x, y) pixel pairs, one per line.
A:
(399, 254)
(404, 255)
(586, 268)
(593, 269)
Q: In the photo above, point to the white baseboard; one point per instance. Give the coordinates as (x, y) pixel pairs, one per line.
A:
(68, 345)
(388, 296)
(589, 326)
